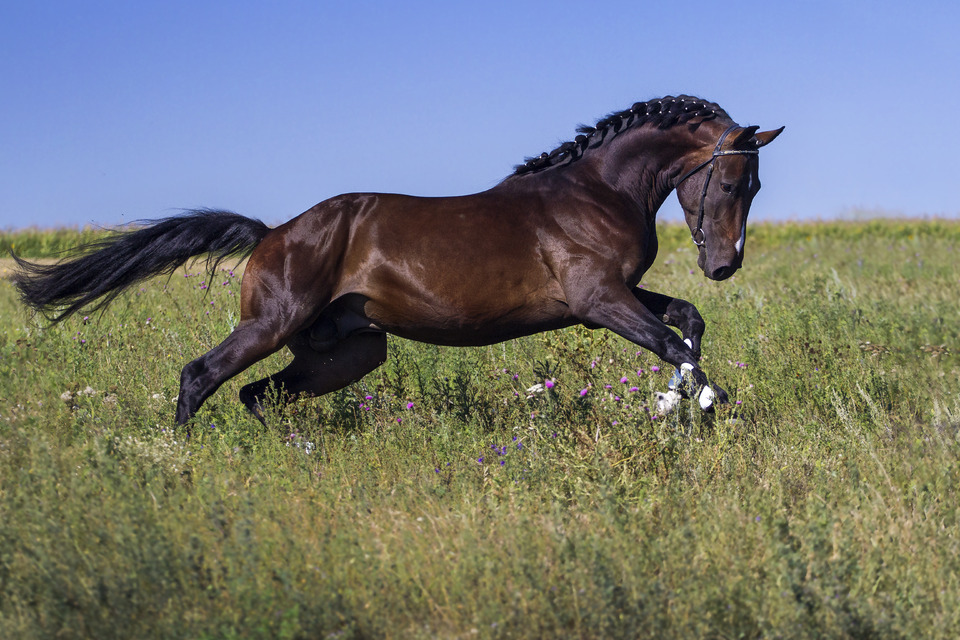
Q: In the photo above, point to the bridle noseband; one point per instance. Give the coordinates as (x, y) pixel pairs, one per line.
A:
(710, 166)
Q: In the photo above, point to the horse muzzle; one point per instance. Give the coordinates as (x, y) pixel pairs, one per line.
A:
(719, 269)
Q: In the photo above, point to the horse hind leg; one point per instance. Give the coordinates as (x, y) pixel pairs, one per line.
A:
(249, 342)
(319, 367)
(252, 340)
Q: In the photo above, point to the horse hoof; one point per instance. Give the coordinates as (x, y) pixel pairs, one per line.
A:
(683, 384)
(676, 381)
(682, 381)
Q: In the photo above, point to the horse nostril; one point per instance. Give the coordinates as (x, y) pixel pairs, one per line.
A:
(723, 273)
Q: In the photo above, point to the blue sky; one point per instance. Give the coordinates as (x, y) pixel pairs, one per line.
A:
(118, 111)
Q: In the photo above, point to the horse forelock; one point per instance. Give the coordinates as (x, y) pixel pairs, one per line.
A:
(662, 113)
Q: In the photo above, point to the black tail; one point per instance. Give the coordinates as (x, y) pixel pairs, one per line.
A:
(109, 266)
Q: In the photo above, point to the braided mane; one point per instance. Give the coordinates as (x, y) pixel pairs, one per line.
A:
(661, 112)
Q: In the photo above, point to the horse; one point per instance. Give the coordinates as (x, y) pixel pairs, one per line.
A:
(564, 240)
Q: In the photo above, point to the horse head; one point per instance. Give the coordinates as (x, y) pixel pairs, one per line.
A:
(716, 194)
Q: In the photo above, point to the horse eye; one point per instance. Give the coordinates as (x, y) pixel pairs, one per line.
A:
(726, 187)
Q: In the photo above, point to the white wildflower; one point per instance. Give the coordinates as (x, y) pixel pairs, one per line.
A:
(667, 402)
(535, 389)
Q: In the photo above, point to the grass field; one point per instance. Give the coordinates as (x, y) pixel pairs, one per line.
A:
(447, 496)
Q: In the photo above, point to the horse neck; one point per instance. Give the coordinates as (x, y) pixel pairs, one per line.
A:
(642, 164)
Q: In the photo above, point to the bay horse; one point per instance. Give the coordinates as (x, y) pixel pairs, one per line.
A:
(564, 240)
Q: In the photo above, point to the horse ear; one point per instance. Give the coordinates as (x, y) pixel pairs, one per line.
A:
(745, 135)
(766, 137)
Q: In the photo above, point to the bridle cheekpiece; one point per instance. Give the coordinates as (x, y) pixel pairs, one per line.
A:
(710, 164)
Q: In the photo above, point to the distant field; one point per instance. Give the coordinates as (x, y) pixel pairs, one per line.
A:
(445, 496)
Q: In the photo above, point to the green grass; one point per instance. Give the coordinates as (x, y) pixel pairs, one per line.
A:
(824, 503)
(43, 243)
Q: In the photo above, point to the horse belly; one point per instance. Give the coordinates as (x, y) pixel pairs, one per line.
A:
(465, 316)
(451, 331)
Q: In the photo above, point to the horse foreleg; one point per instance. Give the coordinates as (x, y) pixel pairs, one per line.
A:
(676, 313)
(314, 373)
(619, 309)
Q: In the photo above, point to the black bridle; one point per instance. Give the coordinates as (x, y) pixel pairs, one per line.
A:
(710, 166)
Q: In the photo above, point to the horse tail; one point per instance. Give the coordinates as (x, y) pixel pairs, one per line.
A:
(103, 269)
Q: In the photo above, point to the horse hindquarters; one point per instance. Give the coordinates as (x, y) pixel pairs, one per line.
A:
(288, 281)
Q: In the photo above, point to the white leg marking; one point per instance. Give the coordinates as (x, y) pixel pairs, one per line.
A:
(706, 398)
(689, 342)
